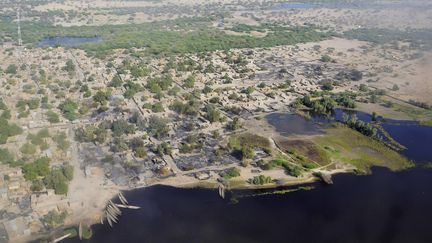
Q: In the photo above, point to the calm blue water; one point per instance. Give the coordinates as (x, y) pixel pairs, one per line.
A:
(417, 139)
(384, 207)
(67, 41)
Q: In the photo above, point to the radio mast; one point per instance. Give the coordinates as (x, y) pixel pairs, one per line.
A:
(19, 27)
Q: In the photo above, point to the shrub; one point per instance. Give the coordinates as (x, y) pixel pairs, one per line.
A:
(164, 148)
(249, 90)
(68, 171)
(326, 58)
(5, 156)
(52, 117)
(212, 114)
(231, 173)
(120, 127)
(37, 186)
(116, 82)
(61, 141)
(53, 218)
(261, 180)
(140, 152)
(158, 107)
(28, 149)
(11, 69)
(189, 82)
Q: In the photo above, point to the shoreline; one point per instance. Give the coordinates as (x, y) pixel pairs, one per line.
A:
(211, 185)
(109, 190)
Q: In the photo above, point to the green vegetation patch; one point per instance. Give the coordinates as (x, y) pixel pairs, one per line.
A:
(183, 35)
(261, 180)
(305, 152)
(248, 140)
(346, 145)
(8, 130)
(416, 113)
(230, 173)
(163, 42)
(417, 37)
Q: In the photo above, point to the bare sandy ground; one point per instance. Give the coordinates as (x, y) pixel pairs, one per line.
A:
(88, 195)
(416, 84)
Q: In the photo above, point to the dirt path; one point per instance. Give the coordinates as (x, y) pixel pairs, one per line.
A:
(79, 71)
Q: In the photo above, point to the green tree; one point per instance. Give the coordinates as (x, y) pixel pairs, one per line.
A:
(69, 66)
(116, 82)
(38, 168)
(157, 126)
(102, 97)
(11, 69)
(68, 108)
(56, 180)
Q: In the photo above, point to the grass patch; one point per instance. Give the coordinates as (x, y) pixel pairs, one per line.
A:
(305, 152)
(248, 140)
(424, 116)
(346, 145)
(282, 161)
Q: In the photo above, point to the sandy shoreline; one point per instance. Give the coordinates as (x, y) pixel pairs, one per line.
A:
(188, 182)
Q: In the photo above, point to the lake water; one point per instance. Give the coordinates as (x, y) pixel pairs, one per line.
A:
(288, 124)
(67, 41)
(383, 207)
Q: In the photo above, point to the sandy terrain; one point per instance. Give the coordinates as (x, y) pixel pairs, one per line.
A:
(88, 195)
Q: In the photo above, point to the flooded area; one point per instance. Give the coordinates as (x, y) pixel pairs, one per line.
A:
(292, 124)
